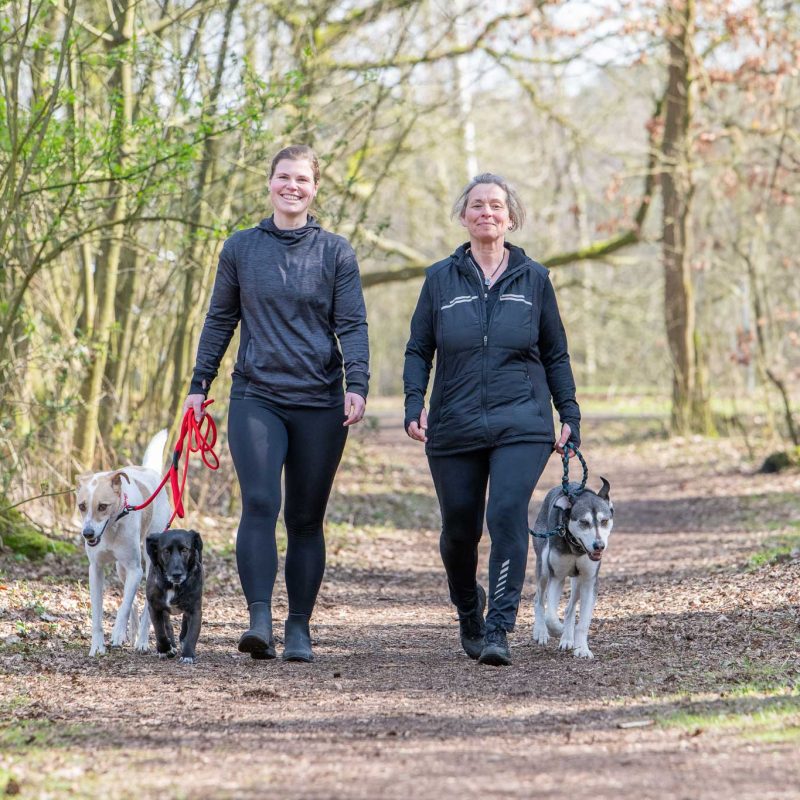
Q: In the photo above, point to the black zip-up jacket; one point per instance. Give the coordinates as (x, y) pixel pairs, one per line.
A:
(494, 377)
(295, 292)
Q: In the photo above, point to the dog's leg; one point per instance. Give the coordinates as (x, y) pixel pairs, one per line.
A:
(555, 586)
(568, 636)
(96, 593)
(142, 644)
(133, 577)
(540, 634)
(190, 631)
(165, 641)
(588, 590)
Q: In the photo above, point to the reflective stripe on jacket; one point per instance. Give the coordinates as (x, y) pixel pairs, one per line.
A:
(494, 377)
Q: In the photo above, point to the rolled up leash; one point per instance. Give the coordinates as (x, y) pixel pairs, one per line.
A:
(561, 530)
(199, 437)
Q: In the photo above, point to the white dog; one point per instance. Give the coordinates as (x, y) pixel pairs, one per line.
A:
(109, 535)
(584, 521)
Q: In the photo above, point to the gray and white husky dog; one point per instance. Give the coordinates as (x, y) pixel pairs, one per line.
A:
(585, 521)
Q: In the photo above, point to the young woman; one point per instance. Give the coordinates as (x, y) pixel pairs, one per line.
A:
(489, 314)
(296, 290)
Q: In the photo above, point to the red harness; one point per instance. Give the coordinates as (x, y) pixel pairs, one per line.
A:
(199, 437)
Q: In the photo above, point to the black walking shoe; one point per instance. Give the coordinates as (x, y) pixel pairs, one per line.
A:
(258, 641)
(297, 639)
(495, 650)
(472, 626)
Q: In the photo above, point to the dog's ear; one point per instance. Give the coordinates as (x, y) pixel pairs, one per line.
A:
(197, 544)
(151, 546)
(116, 479)
(84, 478)
(564, 502)
(605, 490)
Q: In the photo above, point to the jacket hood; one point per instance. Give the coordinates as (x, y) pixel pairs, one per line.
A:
(292, 236)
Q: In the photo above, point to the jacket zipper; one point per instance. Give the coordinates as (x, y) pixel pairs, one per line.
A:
(485, 359)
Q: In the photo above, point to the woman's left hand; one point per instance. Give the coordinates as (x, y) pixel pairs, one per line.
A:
(563, 439)
(354, 407)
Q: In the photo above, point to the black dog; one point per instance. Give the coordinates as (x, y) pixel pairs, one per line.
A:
(175, 586)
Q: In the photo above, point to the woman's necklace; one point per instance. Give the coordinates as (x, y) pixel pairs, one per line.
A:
(487, 279)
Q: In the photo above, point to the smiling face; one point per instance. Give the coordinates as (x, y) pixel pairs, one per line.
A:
(292, 189)
(486, 215)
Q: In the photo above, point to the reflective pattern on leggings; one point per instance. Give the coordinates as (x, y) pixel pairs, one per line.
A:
(511, 472)
(306, 444)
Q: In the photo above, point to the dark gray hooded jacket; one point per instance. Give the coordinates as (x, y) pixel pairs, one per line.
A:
(295, 292)
(494, 376)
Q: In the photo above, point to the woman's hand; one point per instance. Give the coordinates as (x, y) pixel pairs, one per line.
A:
(418, 430)
(563, 439)
(354, 407)
(195, 402)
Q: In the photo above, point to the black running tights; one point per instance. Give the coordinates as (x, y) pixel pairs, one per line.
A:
(511, 472)
(305, 444)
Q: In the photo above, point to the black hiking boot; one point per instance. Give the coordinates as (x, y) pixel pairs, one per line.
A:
(258, 640)
(472, 626)
(495, 650)
(297, 639)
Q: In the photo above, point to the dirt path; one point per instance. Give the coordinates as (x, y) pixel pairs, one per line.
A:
(692, 694)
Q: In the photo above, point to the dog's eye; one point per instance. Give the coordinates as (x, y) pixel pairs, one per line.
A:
(82, 507)
(585, 523)
(102, 506)
(604, 523)
(184, 549)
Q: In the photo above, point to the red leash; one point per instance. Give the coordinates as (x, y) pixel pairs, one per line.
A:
(199, 437)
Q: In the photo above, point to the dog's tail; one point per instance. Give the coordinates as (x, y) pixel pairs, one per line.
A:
(154, 455)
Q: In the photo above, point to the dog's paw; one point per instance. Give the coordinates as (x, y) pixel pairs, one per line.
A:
(583, 651)
(118, 639)
(188, 660)
(171, 653)
(97, 649)
(566, 643)
(142, 647)
(540, 635)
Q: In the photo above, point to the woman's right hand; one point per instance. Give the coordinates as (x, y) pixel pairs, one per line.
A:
(418, 430)
(195, 402)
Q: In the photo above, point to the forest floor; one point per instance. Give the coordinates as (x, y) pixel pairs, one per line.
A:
(693, 691)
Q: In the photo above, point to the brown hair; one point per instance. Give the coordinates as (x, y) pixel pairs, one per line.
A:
(297, 152)
(516, 211)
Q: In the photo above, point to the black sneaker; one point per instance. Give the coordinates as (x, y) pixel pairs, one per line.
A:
(472, 626)
(495, 649)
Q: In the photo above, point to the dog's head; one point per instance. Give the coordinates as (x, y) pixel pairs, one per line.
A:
(175, 553)
(590, 518)
(100, 499)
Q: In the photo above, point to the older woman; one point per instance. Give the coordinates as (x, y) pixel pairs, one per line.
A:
(489, 314)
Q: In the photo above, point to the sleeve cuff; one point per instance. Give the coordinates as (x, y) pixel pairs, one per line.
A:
(358, 383)
(196, 386)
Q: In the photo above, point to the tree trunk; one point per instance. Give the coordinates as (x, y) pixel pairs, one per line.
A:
(689, 407)
(108, 265)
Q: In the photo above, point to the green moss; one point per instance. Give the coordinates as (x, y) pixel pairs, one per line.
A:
(775, 550)
(19, 536)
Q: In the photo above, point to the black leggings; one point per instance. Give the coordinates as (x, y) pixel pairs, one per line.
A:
(511, 472)
(306, 444)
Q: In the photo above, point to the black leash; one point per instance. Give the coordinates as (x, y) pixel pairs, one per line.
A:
(561, 528)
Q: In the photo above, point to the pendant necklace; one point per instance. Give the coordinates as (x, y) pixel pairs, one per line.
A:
(487, 280)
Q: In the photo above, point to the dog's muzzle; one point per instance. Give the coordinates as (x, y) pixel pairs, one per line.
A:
(596, 553)
(91, 538)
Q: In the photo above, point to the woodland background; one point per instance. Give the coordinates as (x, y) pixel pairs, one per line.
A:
(655, 145)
